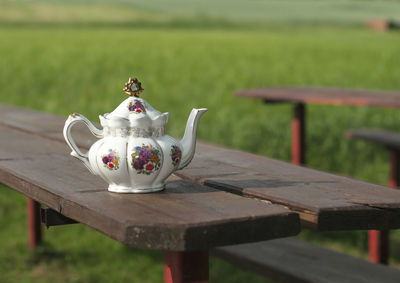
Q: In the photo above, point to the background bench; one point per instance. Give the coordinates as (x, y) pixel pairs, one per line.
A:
(391, 141)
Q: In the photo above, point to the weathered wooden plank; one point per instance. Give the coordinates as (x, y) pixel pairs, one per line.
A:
(294, 260)
(185, 216)
(324, 201)
(43, 124)
(319, 95)
(388, 139)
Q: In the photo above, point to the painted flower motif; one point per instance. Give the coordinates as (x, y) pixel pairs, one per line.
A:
(145, 159)
(111, 160)
(176, 155)
(137, 107)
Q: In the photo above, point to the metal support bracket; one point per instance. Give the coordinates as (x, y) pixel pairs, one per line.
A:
(50, 217)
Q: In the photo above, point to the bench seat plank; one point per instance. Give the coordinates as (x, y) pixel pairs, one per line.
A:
(185, 216)
(319, 95)
(388, 139)
(293, 260)
(324, 201)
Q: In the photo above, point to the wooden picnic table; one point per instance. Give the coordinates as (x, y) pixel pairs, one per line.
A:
(205, 210)
(184, 220)
(318, 95)
(301, 96)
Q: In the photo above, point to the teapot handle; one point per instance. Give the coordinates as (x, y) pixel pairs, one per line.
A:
(73, 119)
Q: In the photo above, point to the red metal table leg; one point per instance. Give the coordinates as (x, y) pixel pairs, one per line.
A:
(394, 169)
(34, 225)
(186, 267)
(298, 135)
(378, 241)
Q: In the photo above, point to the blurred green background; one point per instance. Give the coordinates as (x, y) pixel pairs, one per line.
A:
(75, 56)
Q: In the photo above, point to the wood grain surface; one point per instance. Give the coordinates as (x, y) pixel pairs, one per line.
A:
(324, 201)
(185, 216)
(319, 95)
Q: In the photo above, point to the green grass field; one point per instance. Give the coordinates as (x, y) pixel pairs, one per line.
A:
(338, 12)
(76, 57)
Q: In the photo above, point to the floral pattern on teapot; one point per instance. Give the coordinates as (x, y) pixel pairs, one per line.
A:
(146, 159)
(111, 160)
(137, 107)
(176, 155)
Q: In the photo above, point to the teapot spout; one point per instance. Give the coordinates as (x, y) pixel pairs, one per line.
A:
(188, 141)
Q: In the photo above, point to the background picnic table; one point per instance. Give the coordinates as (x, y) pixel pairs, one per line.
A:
(74, 58)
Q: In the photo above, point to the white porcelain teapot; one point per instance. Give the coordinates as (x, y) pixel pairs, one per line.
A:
(133, 153)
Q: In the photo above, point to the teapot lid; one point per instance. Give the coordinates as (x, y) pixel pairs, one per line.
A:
(135, 108)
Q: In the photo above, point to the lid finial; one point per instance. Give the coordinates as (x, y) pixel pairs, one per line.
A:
(133, 87)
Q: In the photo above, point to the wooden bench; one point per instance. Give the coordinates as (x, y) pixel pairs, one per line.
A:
(293, 260)
(391, 141)
(235, 191)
